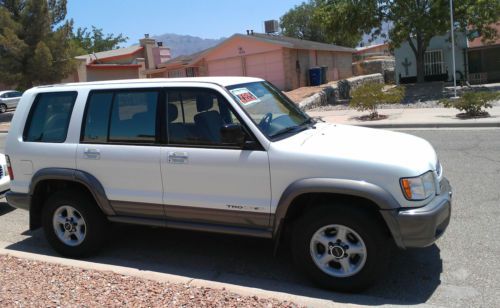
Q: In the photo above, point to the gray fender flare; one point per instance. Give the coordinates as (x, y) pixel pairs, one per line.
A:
(78, 176)
(383, 199)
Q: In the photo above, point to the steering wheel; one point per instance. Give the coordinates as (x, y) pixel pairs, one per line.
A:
(266, 121)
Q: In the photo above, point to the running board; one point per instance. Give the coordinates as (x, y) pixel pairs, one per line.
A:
(263, 233)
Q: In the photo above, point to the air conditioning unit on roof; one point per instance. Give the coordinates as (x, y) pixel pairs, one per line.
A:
(271, 26)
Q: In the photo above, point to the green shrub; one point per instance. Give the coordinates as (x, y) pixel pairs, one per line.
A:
(369, 96)
(472, 103)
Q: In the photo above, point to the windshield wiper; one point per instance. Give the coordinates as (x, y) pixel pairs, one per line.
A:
(308, 121)
(285, 130)
(302, 126)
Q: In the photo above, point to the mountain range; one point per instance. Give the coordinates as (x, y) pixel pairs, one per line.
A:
(185, 44)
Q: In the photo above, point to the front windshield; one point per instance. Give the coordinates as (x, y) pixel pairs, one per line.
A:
(268, 108)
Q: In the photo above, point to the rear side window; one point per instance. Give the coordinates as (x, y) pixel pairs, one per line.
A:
(96, 122)
(121, 117)
(49, 117)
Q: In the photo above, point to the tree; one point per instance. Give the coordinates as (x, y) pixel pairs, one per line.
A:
(302, 22)
(35, 45)
(307, 21)
(95, 40)
(413, 21)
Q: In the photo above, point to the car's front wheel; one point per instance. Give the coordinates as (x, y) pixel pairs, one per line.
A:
(340, 248)
(73, 224)
(3, 108)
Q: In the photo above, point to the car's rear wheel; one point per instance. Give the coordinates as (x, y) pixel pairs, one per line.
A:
(73, 224)
(3, 108)
(340, 248)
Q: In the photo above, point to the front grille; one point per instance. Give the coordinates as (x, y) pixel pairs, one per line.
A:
(1, 172)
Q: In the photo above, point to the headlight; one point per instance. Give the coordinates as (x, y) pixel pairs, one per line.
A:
(420, 187)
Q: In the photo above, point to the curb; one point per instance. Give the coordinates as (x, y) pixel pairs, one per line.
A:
(428, 125)
(170, 278)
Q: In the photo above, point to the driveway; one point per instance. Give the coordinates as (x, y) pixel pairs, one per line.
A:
(461, 269)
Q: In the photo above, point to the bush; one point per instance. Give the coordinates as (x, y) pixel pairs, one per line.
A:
(473, 103)
(369, 96)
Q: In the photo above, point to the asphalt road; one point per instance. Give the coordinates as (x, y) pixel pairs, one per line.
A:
(461, 269)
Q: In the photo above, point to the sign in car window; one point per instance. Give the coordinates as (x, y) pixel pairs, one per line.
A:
(245, 96)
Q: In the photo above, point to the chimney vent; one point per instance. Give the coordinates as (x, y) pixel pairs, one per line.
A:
(251, 32)
(146, 35)
(160, 44)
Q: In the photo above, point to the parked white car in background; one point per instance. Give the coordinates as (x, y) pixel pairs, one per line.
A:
(9, 100)
(4, 176)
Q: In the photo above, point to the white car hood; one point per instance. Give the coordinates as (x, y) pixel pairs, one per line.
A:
(371, 146)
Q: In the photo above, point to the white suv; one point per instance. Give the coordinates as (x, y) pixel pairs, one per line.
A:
(222, 154)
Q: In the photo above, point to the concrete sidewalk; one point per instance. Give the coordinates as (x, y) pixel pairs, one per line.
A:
(410, 118)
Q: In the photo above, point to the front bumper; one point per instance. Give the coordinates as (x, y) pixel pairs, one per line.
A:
(422, 226)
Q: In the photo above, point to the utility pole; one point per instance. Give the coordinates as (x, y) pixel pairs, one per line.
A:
(453, 51)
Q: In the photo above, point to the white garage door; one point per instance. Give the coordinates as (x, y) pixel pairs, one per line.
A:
(226, 67)
(268, 66)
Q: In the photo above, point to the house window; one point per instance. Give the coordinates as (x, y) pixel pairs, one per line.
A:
(434, 64)
(191, 72)
(176, 73)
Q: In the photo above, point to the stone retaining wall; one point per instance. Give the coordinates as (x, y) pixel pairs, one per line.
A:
(336, 92)
(384, 66)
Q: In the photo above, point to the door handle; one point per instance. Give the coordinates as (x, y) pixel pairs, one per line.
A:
(92, 154)
(177, 157)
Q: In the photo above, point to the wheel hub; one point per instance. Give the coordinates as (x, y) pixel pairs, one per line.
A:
(68, 226)
(337, 251)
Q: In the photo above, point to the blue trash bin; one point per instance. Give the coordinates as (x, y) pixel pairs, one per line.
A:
(315, 76)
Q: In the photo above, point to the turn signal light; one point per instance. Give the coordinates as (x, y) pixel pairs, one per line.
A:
(406, 188)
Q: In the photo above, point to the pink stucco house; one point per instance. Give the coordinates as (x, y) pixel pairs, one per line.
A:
(123, 63)
(284, 61)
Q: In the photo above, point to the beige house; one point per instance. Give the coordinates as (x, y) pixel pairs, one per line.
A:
(372, 51)
(284, 61)
(122, 63)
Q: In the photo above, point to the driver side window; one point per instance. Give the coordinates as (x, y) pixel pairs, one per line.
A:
(196, 117)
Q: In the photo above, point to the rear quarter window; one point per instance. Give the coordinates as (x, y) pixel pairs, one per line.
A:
(49, 117)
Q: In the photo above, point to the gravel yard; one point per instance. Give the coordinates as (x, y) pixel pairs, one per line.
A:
(25, 283)
(418, 105)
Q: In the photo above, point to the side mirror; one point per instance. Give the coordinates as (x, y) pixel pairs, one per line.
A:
(232, 134)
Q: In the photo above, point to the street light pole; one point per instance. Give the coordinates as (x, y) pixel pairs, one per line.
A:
(453, 51)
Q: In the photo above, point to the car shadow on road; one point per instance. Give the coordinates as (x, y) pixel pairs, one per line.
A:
(5, 208)
(6, 117)
(412, 277)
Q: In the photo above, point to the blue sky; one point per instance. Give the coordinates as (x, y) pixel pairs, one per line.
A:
(203, 18)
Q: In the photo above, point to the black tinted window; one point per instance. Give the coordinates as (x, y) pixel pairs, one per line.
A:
(16, 94)
(97, 119)
(195, 117)
(133, 117)
(49, 117)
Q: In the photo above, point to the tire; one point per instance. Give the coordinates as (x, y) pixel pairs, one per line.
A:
(85, 238)
(362, 229)
(3, 108)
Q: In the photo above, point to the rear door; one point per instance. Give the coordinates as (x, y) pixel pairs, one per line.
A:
(119, 146)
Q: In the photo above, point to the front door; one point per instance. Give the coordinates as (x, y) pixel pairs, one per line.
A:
(205, 179)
